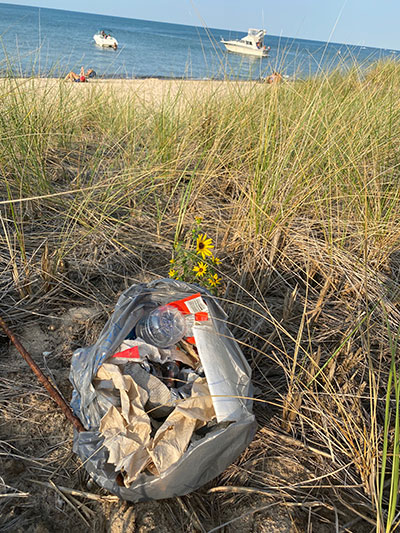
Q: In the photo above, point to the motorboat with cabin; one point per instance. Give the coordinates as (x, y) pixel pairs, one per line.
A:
(105, 39)
(252, 44)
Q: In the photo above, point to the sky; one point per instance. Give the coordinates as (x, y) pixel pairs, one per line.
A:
(361, 22)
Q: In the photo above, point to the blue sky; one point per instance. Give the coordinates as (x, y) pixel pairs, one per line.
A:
(362, 22)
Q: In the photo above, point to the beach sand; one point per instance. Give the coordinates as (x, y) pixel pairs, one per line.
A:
(147, 90)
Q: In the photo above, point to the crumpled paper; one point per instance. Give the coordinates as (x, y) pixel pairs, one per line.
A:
(172, 438)
(127, 429)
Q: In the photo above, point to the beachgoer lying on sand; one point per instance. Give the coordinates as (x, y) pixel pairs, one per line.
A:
(82, 77)
(71, 76)
(274, 78)
(90, 73)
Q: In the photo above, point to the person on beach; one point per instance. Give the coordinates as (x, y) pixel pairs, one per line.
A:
(71, 76)
(90, 73)
(274, 78)
(82, 77)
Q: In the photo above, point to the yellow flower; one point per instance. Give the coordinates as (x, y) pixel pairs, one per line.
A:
(172, 273)
(203, 246)
(216, 260)
(217, 280)
(200, 269)
(211, 282)
(172, 261)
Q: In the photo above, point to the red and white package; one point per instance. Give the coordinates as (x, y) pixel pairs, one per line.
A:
(136, 351)
(194, 306)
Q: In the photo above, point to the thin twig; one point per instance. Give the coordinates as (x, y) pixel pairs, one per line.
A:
(191, 515)
(15, 495)
(82, 507)
(265, 507)
(68, 502)
(80, 493)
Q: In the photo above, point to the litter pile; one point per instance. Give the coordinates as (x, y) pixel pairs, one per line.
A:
(165, 387)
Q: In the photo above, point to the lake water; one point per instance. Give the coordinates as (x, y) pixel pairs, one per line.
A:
(50, 42)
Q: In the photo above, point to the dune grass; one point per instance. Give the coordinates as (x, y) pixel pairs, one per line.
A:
(298, 185)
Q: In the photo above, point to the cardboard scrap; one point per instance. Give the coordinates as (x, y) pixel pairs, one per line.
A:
(127, 428)
(172, 438)
(185, 353)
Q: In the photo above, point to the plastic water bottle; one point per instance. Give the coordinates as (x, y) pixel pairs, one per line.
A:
(163, 327)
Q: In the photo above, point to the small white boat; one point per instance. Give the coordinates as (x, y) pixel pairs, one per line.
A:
(105, 39)
(252, 44)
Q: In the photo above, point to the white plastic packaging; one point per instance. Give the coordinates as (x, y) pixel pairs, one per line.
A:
(217, 364)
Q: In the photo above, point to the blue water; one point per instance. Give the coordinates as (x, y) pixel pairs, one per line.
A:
(50, 42)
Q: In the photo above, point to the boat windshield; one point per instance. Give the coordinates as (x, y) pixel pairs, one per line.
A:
(258, 34)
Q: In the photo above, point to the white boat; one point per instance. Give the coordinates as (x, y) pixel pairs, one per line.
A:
(105, 39)
(252, 44)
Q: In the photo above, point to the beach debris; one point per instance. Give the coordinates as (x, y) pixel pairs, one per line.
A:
(156, 410)
(128, 428)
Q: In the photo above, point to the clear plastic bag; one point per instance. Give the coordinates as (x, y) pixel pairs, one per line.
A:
(205, 458)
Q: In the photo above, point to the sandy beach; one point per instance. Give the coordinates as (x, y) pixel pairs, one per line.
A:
(147, 90)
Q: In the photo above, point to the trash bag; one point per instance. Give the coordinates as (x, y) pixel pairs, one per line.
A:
(205, 458)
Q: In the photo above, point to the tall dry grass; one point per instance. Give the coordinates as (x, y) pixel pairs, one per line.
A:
(298, 184)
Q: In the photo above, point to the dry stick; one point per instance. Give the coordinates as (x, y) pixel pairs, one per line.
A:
(15, 495)
(79, 493)
(68, 502)
(89, 514)
(42, 378)
(265, 507)
(191, 514)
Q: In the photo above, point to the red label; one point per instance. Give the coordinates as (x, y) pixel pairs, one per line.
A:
(181, 304)
(130, 353)
(192, 305)
(201, 317)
